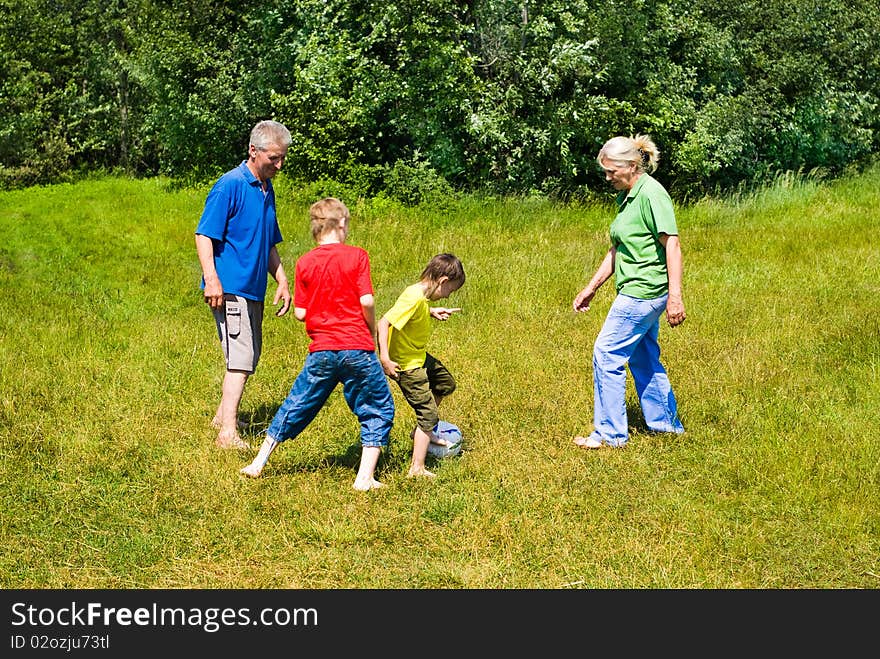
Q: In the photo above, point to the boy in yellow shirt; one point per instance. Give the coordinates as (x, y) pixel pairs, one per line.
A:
(403, 337)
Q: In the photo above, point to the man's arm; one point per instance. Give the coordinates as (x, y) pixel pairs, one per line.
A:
(213, 287)
(282, 293)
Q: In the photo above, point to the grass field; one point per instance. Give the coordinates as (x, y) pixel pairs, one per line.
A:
(110, 372)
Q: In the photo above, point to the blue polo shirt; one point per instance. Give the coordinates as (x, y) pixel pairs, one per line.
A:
(241, 221)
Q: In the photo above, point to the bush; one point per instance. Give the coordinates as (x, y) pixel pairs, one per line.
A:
(413, 182)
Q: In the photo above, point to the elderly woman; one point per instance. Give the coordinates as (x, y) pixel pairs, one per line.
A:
(645, 259)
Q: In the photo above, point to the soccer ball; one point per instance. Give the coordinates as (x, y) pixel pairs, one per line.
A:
(450, 433)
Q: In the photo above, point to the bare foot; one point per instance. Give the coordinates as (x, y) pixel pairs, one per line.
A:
(231, 440)
(251, 471)
(217, 424)
(420, 472)
(366, 485)
(433, 439)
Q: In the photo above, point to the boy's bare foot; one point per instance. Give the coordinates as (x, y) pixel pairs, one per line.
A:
(251, 471)
(433, 439)
(420, 472)
(366, 485)
(231, 440)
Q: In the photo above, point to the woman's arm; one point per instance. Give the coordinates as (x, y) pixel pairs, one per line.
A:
(606, 269)
(675, 314)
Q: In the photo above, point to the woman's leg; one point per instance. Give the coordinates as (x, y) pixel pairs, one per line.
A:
(652, 385)
(629, 320)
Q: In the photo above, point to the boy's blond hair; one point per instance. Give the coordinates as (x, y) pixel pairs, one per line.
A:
(327, 215)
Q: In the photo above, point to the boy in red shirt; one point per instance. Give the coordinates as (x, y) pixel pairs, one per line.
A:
(333, 295)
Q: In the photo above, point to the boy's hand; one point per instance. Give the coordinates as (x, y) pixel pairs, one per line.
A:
(442, 313)
(390, 367)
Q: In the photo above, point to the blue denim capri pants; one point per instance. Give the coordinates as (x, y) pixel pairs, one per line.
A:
(629, 337)
(364, 387)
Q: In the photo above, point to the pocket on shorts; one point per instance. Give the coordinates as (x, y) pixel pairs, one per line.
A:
(233, 318)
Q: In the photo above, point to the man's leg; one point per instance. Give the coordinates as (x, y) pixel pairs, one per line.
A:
(233, 389)
(239, 327)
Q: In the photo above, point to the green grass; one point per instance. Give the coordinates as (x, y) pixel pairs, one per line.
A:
(110, 373)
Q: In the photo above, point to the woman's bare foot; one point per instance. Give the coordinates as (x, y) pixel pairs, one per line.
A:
(420, 472)
(367, 485)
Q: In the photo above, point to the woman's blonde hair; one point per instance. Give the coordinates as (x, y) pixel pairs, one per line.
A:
(638, 149)
(327, 214)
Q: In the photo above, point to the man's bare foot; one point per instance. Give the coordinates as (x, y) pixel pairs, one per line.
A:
(366, 485)
(216, 424)
(251, 471)
(231, 440)
(420, 472)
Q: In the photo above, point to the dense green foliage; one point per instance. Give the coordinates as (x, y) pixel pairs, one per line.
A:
(511, 96)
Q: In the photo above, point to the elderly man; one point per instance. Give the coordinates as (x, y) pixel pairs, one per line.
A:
(235, 240)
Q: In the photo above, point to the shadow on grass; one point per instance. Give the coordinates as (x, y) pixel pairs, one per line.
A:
(348, 459)
(636, 421)
(257, 420)
(260, 418)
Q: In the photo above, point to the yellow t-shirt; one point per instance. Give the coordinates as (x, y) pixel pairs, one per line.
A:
(410, 328)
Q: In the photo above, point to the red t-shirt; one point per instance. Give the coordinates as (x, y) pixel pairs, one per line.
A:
(329, 282)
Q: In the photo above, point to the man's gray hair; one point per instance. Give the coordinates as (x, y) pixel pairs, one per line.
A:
(268, 133)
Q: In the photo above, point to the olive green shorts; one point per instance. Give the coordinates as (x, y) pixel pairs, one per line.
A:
(421, 385)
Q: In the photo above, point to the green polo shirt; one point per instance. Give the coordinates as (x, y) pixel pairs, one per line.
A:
(644, 212)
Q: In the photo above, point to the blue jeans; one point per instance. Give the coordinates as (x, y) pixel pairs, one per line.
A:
(629, 336)
(364, 387)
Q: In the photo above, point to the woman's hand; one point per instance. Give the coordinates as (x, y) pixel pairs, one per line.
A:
(675, 314)
(582, 300)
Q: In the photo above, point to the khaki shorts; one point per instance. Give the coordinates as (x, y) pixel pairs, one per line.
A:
(420, 385)
(240, 328)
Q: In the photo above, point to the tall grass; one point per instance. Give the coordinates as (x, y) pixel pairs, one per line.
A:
(110, 372)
